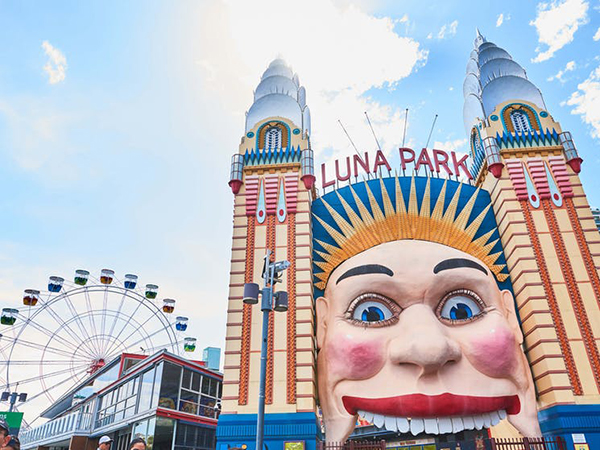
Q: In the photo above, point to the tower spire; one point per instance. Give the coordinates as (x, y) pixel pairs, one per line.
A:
(493, 77)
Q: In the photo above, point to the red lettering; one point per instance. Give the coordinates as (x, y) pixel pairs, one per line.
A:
(404, 160)
(323, 178)
(380, 161)
(337, 170)
(363, 163)
(424, 159)
(461, 164)
(443, 162)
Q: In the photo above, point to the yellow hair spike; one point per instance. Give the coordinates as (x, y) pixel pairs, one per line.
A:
(405, 220)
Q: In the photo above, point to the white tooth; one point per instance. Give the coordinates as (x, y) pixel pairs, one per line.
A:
(502, 414)
(469, 422)
(487, 420)
(390, 423)
(431, 426)
(378, 420)
(416, 426)
(403, 425)
(478, 421)
(445, 425)
(457, 425)
(360, 413)
(368, 416)
(495, 418)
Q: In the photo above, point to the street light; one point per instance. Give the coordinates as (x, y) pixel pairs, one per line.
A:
(12, 397)
(277, 301)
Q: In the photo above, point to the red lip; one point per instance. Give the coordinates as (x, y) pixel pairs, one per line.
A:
(443, 405)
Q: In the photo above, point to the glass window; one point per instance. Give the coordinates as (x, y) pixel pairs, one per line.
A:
(146, 390)
(196, 382)
(169, 389)
(520, 121)
(163, 433)
(186, 381)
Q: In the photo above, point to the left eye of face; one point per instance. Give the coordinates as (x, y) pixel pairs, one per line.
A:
(371, 309)
(460, 306)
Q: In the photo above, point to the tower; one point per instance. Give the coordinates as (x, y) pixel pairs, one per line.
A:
(530, 166)
(272, 177)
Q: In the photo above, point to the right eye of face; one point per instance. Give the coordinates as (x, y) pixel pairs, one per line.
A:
(372, 310)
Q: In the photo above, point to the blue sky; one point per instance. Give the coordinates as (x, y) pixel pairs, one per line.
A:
(117, 155)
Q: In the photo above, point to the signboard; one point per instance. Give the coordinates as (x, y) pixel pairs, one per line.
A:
(425, 161)
(578, 438)
(13, 419)
(293, 445)
(582, 447)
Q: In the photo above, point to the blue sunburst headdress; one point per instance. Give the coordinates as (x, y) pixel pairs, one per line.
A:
(355, 218)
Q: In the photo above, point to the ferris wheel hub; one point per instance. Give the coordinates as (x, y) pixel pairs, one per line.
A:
(96, 365)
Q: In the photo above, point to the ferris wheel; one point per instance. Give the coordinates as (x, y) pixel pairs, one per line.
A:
(61, 335)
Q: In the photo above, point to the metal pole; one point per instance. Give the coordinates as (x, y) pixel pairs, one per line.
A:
(266, 308)
(13, 400)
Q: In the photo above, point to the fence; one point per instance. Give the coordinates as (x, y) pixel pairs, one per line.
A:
(546, 443)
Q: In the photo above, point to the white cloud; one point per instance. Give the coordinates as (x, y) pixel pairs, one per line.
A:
(56, 67)
(500, 20)
(559, 76)
(448, 30)
(334, 61)
(597, 35)
(456, 145)
(586, 102)
(556, 24)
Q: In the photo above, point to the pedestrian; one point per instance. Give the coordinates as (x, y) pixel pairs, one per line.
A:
(104, 443)
(13, 444)
(4, 433)
(137, 444)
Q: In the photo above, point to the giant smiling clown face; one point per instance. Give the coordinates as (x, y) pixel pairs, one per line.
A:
(416, 336)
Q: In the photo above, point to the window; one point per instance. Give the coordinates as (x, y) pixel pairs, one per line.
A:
(163, 434)
(199, 394)
(190, 437)
(118, 404)
(169, 388)
(520, 121)
(273, 138)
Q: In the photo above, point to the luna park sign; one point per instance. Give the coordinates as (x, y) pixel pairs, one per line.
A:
(446, 164)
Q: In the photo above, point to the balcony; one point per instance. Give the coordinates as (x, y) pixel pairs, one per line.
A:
(62, 428)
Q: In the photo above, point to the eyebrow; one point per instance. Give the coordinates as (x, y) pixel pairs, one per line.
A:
(457, 263)
(367, 268)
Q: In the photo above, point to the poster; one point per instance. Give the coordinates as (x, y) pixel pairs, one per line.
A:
(14, 420)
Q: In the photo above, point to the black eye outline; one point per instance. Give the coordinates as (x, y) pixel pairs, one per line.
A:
(391, 305)
(464, 293)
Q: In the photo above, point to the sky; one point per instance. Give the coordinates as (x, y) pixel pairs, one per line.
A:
(118, 119)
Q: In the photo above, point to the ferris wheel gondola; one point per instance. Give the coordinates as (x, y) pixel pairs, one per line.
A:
(61, 335)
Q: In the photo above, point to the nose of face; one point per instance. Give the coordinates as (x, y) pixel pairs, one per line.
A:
(422, 341)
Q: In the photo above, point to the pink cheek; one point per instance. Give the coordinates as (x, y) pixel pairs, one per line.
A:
(355, 360)
(493, 352)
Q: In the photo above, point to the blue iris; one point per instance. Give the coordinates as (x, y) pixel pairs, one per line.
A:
(460, 311)
(372, 314)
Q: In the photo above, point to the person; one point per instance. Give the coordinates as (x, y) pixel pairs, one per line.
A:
(414, 333)
(4, 433)
(13, 444)
(104, 443)
(137, 444)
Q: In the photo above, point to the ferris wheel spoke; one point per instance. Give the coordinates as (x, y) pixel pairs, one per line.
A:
(51, 335)
(127, 322)
(112, 328)
(79, 375)
(92, 322)
(50, 349)
(78, 321)
(148, 336)
(33, 362)
(102, 328)
(65, 325)
(170, 344)
(53, 374)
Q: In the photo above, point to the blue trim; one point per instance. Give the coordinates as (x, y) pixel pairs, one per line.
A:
(537, 119)
(235, 430)
(565, 420)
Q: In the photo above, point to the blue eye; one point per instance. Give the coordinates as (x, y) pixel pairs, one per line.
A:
(371, 311)
(459, 306)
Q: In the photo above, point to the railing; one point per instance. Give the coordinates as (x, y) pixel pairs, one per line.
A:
(547, 443)
(68, 425)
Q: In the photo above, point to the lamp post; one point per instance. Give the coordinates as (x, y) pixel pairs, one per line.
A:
(12, 397)
(277, 301)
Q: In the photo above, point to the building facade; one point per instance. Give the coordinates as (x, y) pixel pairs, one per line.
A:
(171, 402)
(522, 218)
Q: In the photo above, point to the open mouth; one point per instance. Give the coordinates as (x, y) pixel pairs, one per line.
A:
(437, 414)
